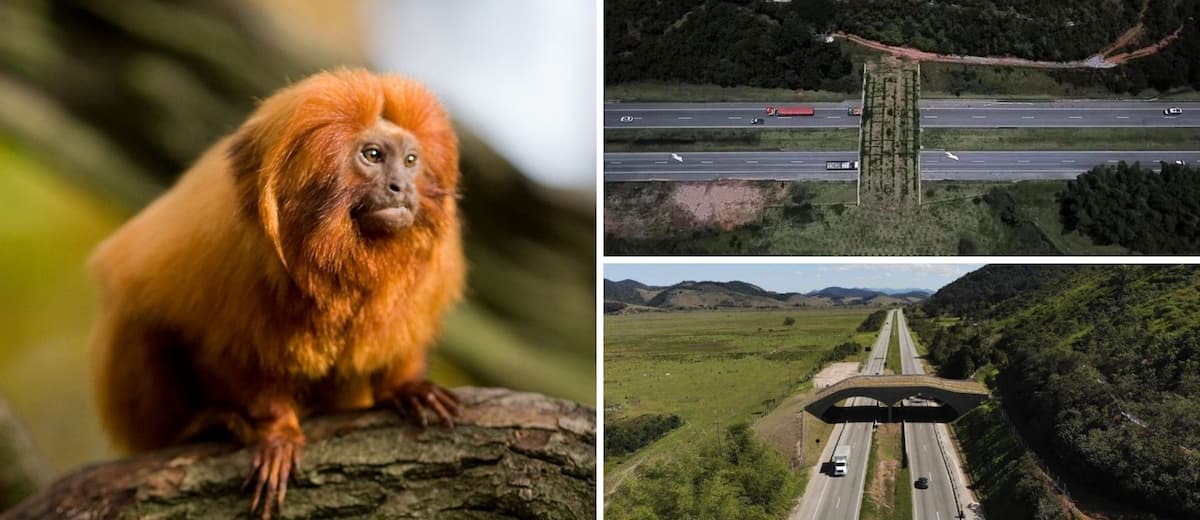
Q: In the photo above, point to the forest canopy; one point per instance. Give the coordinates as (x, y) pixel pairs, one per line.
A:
(783, 44)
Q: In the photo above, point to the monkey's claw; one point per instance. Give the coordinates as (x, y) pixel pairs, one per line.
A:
(415, 399)
(274, 462)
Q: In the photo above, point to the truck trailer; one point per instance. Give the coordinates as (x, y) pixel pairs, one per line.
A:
(789, 111)
(841, 165)
(841, 458)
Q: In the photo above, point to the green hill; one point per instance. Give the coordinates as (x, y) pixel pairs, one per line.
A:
(1100, 366)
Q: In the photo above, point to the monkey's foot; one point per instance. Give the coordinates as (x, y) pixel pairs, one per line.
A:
(274, 461)
(417, 398)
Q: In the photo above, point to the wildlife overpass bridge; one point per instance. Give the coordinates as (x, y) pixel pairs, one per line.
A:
(959, 395)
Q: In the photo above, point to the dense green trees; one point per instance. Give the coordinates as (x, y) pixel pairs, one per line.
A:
(761, 44)
(735, 476)
(1149, 212)
(873, 322)
(770, 44)
(623, 436)
(1100, 366)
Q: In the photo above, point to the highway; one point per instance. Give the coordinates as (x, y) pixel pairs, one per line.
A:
(810, 166)
(834, 498)
(935, 113)
(925, 444)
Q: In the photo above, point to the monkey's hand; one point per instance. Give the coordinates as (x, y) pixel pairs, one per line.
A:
(274, 460)
(417, 399)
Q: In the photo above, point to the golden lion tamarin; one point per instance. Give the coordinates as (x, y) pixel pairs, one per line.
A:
(302, 265)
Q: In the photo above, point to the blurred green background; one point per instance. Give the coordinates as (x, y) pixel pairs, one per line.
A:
(103, 103)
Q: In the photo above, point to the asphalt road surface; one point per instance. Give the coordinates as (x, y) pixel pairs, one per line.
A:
(925, 450)
(839, 498)
(810, 166)
(934, 114)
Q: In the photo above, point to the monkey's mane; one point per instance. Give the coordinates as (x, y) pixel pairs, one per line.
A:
(290, 160)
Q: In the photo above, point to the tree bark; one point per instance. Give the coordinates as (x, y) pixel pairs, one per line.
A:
(510, 454)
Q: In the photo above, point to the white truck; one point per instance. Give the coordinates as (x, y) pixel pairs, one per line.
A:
(841, 457)
(841, 165)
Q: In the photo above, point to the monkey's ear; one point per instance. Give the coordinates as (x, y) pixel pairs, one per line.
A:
(255, 182)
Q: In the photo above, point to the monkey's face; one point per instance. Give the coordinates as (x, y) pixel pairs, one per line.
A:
(386, 168)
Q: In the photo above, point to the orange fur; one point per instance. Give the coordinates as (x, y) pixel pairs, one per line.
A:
(246, 289)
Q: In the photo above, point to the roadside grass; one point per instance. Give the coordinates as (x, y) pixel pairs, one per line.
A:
(729, 139)
(1032, 139)
(893, 354)
(667, 92)
(950, 80)
(887, 496)
(1035, 201)
(995, 459)
(952, 214)
(712, 368)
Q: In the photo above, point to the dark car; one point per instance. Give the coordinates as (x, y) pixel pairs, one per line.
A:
(922, 483)
(757, 121)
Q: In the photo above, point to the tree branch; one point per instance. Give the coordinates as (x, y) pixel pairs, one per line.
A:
(510, 455)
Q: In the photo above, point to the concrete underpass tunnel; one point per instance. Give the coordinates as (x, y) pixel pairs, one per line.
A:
(897, 398)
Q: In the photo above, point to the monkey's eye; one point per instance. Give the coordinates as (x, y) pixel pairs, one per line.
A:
(372, 154)
(410, 159)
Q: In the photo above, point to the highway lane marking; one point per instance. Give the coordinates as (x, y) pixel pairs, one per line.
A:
(1075, 117)
(1028, 117)
(751, 162)
(833, 117)
(1068, 161)
(978, 162)
(796, 162)
(706, 162)
(1122, 117)
(930, 117)
(1113, 161)
(978, 117)
(616, 162)
(1023, 161)
(684, 118)
(733, 117)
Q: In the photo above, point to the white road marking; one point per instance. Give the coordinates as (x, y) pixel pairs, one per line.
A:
(616, 162)
(1075, 117)
(705, 162)
(689, 117)
(1023, 161)
(977, 162)
(930, 117)
(1114, 161)
(978, 117)
(751, 162)
(1122, 117)
(1068, 161)
(796, 162)
(833, 117)
(660, 162)
(733, 117)
(1028, 117)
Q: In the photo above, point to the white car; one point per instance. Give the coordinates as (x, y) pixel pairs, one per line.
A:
(626, 119)
(1173, 111)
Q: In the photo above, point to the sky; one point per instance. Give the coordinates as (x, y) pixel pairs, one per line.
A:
(521, 73)
(797, 277)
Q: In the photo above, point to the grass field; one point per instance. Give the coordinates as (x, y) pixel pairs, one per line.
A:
(729, 139)
(655, 92)
(711, 368)
(1062, 138)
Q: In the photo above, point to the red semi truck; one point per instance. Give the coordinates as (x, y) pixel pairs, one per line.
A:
(789, 111)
